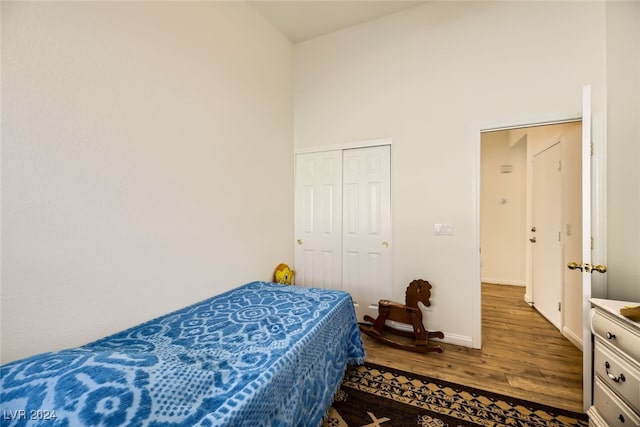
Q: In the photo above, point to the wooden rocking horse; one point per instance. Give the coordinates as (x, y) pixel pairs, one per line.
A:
(410, 314)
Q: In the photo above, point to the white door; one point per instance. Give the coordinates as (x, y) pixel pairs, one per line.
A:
(318, 220)
(546, 240)
(587, 374)
(367, 227)
(572, 230)
(584, 265)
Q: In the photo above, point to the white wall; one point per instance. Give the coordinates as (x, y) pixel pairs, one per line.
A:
(623, 151)
(430, 78)
(503, 209)
(146, 162)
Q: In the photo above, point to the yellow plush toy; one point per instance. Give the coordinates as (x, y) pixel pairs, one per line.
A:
(283, 274)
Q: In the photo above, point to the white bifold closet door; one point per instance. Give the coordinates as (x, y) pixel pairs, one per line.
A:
(343, 223)
(318, 220)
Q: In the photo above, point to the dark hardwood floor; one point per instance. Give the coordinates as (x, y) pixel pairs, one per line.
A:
(523, 355)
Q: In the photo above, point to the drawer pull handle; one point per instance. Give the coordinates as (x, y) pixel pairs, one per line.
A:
(613, 377)
(621, 418)
(611, 336)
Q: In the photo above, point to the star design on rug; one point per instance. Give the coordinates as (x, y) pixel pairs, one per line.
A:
(376, 421)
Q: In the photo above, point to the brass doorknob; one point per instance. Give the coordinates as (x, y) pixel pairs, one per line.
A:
(532, 240)
(299, 241)
(587, 268)
(599, 268)
(574, 266)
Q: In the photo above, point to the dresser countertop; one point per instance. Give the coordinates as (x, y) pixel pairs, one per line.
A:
(614, 306)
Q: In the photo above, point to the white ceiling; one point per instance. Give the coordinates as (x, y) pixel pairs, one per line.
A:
(302, 20)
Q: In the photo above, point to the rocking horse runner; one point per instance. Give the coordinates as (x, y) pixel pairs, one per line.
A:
(410, 314)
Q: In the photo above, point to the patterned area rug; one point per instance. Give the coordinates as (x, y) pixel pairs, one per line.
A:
(373, 395)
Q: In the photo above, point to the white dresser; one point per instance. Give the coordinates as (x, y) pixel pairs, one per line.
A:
(616, 366)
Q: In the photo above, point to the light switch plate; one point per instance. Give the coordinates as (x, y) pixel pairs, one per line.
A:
(443, 229)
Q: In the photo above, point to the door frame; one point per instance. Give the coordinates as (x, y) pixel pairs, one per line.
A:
(478, 129)
(344, 146)
(371, 143)
(598, 202)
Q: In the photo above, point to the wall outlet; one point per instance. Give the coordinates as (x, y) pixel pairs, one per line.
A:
(443, 229)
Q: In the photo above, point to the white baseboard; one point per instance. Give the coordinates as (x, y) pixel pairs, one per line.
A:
(502, 281)
(576, 340)
(460, 340)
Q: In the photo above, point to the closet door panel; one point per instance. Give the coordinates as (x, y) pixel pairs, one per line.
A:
(367, 232)
(318, 220)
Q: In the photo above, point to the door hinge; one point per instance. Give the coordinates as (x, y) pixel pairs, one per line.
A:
(559, 165)
(592, 149)
(559, 236)
(559, 306)
(593, 244)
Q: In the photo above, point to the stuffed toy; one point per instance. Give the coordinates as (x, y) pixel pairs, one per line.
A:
(631, 312)
(283, 275)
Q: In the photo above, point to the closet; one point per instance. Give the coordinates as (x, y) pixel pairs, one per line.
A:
(343, 223)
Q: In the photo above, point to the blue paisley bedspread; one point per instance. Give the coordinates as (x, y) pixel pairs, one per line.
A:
(259, 355)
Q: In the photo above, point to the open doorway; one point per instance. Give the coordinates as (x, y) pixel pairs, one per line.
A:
(530, 217)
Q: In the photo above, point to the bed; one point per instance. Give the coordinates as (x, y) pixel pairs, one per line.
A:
(262, 354)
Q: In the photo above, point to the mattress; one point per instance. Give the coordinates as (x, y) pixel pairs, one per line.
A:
(262, 354)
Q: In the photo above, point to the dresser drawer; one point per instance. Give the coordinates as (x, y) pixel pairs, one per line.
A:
(613, 410)
(595, 419)
(617, 335)
(619, 374)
